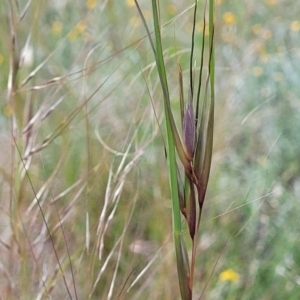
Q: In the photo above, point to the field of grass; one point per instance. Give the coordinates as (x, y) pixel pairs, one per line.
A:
(85, 209)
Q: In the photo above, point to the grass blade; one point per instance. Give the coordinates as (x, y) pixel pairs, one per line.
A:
(173, 141)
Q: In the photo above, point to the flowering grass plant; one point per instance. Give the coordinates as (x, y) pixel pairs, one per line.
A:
(193, 147)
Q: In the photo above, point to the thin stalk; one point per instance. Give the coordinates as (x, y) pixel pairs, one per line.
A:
(176, 218)
(194, 151)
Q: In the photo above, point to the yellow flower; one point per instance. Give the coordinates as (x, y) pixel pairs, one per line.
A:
(261, 50)
(81, 26)
(295, 26)
(130, 3)
(8, 110)
(229, 18)
(171, 9)
(199, 26)
(219, 2)
(78, 30)
(229, 275)
(206, 30)
(271, 2)
(90, 4)
(147, 14)
(264, 57)
(256, 29)
(56, 27)
(257, 71)
(135, 21)
(73, 35)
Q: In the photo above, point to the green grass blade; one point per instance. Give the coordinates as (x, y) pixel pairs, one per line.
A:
(210, 121)
(159, 58)
(201, 66)
(181, 256)
(181, 95)
(212, 52)
(146, 27)
(205, 134)
(173, 141)
(181, 150)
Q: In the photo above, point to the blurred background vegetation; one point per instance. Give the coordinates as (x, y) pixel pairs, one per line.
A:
(80, 108)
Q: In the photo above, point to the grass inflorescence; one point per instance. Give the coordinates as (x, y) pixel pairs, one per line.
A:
(88, 107)
(194, 148)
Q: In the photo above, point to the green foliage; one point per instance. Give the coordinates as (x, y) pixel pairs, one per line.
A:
(80, 108)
